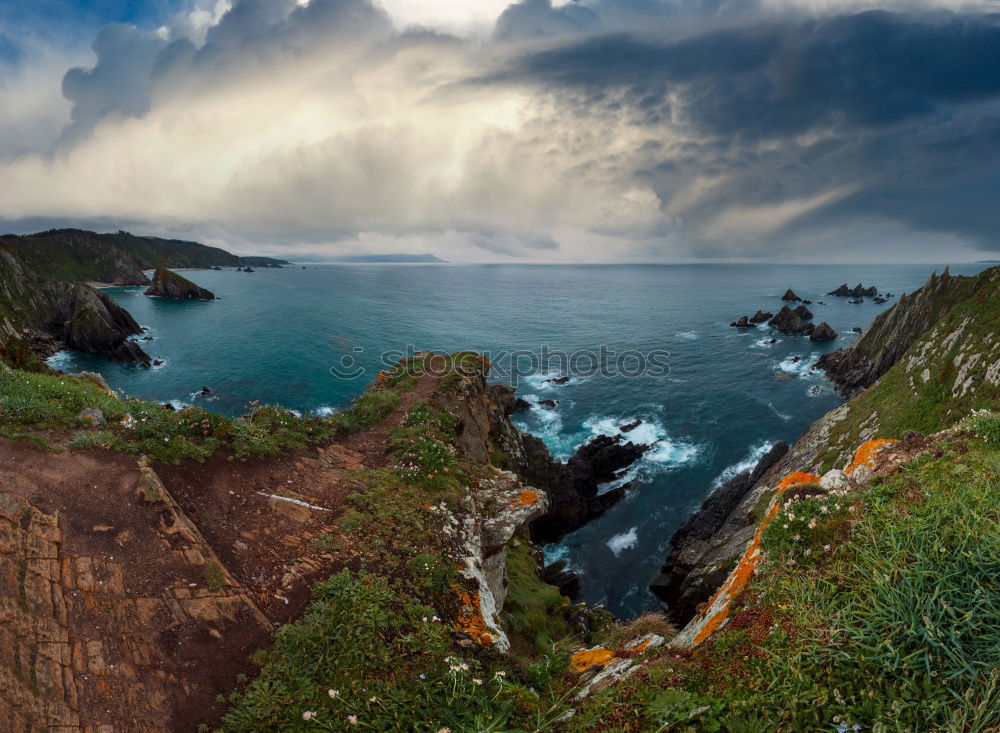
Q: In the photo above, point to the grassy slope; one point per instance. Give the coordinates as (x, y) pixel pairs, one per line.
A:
(902, 400)
(884, 615)
(155, 252)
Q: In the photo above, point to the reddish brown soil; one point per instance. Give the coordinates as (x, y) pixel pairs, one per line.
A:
(148, 643)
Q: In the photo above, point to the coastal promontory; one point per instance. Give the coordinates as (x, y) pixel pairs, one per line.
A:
(169, 284)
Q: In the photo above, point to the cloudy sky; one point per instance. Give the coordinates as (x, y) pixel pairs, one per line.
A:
(544, 130)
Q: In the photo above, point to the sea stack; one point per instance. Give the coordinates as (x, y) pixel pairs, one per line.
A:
(168, 284)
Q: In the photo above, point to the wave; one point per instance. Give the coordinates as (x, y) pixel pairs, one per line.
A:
(540, 381)
(766, 342)
(323, 411)
(61, 360)
(623, 541)
(797, 365)
(557, 552)
(686, 335)
(757, 452)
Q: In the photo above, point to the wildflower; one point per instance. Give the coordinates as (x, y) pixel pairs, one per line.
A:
(308, 714)
(372, 699)
(333, 693)
(444, 730)
(826, 548)
(791, 562)
(797, 537)
(478, 682)
(425, 619)
(423, 676)
(808, 551)
(784, 526)
(352, 719)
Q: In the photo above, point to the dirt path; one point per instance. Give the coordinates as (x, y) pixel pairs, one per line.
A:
(130, 597)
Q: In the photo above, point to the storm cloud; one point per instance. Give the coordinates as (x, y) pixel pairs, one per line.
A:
(590, 130)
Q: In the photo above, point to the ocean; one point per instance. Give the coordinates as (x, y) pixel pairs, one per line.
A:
(711, 398)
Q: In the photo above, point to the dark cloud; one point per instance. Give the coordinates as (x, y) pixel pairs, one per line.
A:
(117, 84)
(869, 69)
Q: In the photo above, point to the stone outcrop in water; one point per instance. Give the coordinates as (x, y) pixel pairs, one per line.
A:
(857, 291)
(169, 284)
(823, 332)
(743, 322)
(761, 317)
(789, 321)
(790, 296)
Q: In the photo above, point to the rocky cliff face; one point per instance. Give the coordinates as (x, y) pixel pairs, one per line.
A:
(856, 367)
(169, 284)
(50, 314)
(921, 366)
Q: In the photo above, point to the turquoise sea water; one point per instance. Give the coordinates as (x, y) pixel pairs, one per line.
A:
(275, 334)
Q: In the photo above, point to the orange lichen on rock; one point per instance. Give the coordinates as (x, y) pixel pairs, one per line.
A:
(866, 453)
(582, 661)
(471, 620)
(798, 478)
(716, 612)
(527, 498)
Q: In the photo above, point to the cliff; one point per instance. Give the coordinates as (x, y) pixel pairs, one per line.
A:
(48, 315)
(926, 363)
(171, 571)
(136, 587)
(169, 284)
(75, 255)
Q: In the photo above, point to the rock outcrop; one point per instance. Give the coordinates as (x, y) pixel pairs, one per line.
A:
(789, 321)
(690, 548)
(823, 332)
(857, 291)
(790, 296)
(573, 486)
(50, 315)
(169, 284)
(761, 317)
(884, 342)
(743, 322)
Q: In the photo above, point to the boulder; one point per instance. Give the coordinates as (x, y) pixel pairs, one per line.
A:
(834, 480)
(629, 427)
(168, 284)
(790, 296)
(93, 415)
(878, 300)
(823, 332)
(547, 403)
(519, 405)
(761, 317)
(804, 313)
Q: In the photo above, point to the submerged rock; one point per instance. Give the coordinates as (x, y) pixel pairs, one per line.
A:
(743, 322)
(556, 380)
(168, 284)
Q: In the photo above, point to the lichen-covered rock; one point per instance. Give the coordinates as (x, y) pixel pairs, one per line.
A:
(834, 480)
(169, 284)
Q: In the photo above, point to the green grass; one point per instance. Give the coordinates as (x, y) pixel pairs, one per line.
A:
(50, 403)
(895, 626)
(533, 609)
